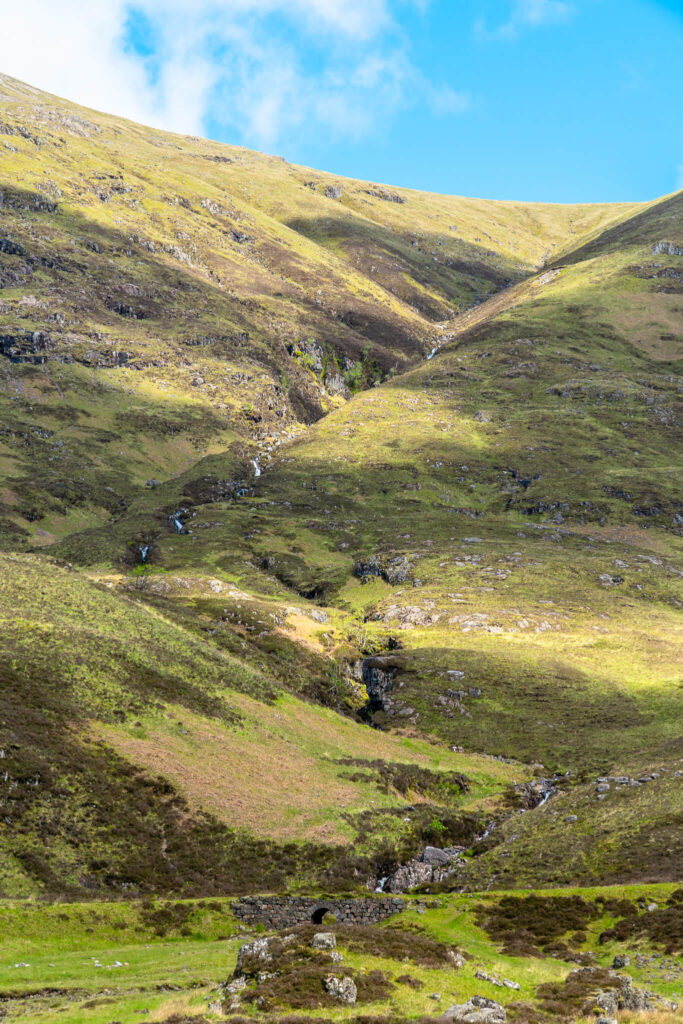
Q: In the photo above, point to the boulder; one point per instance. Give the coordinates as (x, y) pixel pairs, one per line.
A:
(342, 989)
(433, 855)
(324, 940)
(477, 1010)
(621, 960)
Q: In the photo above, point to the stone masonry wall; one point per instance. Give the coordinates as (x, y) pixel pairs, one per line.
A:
(285, 911)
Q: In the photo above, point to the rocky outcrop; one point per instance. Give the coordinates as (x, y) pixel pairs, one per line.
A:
(628, 997)
(477, 1010)
(384, 195)
(392, 570)
(667, 248)
(432, 865)
(25, 347)
(378, 677)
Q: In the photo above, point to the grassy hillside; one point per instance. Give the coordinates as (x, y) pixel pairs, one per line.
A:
(164, 297)
(260, 423)
(140, 756)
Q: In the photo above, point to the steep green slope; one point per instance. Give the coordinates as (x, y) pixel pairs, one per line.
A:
(185, 704)
(157, 287)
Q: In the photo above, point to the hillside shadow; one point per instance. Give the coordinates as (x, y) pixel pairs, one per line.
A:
(429, 265)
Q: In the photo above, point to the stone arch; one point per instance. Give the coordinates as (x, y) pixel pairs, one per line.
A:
(319, 913)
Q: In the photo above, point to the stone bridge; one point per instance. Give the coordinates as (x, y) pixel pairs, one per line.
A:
(277, 912)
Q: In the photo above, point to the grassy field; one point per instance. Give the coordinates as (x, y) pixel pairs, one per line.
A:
(92, 963)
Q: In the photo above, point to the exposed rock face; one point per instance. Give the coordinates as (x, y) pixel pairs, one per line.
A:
(25, 346)
(378, 678)
(342, 989)
(336, 385)
(372, 566)
(432, 865)
(477, 1010)
(393, 570)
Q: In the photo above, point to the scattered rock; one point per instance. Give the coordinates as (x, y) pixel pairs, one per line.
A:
(324, 940)
(483, 976)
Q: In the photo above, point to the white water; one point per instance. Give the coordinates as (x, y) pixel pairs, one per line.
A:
(546, 797)
(144, 551)
(381, 882)
(257, 468)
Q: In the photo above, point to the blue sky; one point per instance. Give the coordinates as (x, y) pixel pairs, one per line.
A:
(556, 100)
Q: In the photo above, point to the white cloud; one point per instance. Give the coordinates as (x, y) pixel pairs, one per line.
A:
(444, 100)
(262, 69)
(527, 14)
(540, 12)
